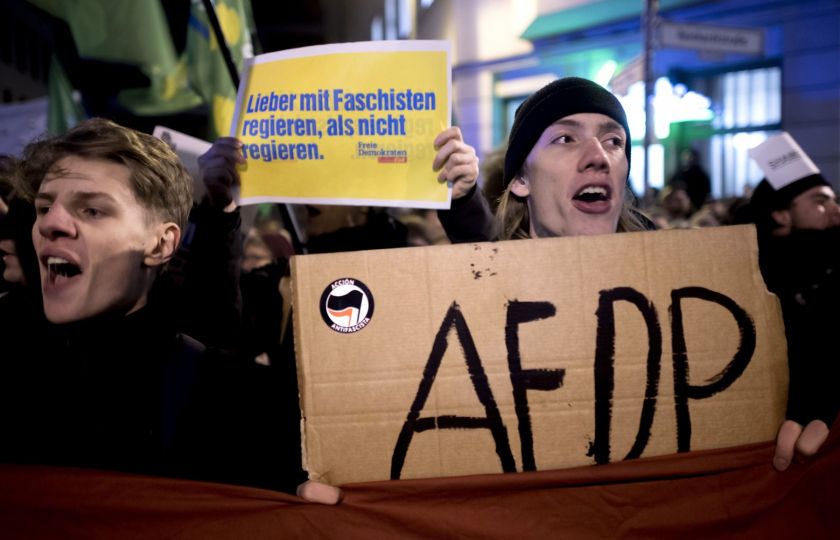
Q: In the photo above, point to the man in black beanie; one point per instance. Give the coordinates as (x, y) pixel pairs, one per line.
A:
(808, 203)
(565, 171)
(796, 215)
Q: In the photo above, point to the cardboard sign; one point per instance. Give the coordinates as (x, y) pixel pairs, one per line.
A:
(782, 160)
(534, 354)
(349, 124)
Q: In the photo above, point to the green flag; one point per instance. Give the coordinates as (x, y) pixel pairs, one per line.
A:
(132, 32)
(207, 70)
(63, 112)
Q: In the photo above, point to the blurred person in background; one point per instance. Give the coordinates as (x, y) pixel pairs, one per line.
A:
(705, 217)
(265, 262)
(692, 177)
(677, 206)
(16, 218)
(493, 173)
(423, 228)
(21, 309)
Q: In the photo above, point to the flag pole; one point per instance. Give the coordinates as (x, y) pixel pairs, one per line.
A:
(234, 78)
(220, 39)
(651, 12)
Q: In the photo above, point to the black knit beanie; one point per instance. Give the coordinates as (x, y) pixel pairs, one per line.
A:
(768, 199)
(558, 99)
(798, 187)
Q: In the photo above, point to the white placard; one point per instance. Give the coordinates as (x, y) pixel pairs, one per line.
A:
(188, 148)
(782, 160)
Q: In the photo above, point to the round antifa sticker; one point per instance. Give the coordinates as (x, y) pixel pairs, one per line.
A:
(347, 305)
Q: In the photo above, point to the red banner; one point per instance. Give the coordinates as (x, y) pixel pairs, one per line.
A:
(708, 494)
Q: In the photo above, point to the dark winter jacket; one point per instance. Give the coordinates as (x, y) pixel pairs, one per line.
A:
(803, 270)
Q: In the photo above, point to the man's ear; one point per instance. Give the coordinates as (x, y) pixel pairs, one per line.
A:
(520, 186)
(782, 217)
(167, 238)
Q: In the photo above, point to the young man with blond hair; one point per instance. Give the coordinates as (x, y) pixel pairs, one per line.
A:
(112, 384)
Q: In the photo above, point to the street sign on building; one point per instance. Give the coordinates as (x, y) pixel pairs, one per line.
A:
(702, 37)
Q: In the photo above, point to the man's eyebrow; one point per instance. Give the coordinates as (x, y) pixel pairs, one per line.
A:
(567, 122)
(87, 196)
(603, 127)
(611, 125)
(821, 194)
(78, 196)
(823, 198)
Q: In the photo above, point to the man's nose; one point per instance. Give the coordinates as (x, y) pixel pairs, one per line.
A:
(834, 212)
(594, 155)
(55, 222)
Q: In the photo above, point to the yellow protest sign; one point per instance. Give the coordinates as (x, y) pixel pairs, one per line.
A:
(345, 124)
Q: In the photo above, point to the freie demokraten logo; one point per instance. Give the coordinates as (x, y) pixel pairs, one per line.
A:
(372, 150)
(346, 305)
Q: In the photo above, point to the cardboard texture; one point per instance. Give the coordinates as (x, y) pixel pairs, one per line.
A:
(534, 354)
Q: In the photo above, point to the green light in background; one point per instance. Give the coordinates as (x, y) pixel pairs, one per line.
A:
(671, 104)
(605, 73)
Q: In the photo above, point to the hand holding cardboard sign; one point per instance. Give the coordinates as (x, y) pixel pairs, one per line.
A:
(793, 438)
(456, 161)
(317, 492)
(218, 170)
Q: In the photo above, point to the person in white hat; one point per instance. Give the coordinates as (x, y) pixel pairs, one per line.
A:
(797, 216)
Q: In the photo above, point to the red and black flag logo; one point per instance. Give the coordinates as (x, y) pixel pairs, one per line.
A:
(346, 305)
(349, 305)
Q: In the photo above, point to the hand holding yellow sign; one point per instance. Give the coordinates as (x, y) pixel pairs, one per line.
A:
(345, 124)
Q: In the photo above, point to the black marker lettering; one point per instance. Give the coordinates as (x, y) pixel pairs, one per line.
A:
(527, 379)
(729, 374)
(605, 376)
(493, 421)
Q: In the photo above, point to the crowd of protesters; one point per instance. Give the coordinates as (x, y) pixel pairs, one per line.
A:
(164, 337)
